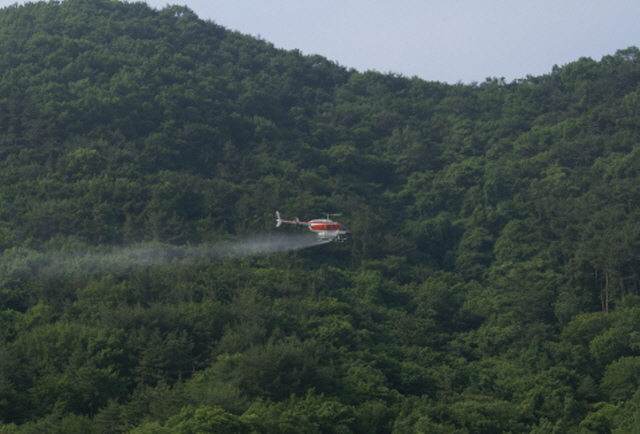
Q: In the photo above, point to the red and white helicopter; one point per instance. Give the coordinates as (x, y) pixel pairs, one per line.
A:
(325, 229)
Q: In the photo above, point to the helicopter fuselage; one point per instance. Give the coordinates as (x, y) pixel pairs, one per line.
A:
(325, 229)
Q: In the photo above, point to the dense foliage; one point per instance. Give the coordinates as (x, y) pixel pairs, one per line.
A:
(490, 285)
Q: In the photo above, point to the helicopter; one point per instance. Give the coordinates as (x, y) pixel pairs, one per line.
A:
(326, 229)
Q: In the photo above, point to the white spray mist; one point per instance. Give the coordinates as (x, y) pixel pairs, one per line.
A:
(118, 260)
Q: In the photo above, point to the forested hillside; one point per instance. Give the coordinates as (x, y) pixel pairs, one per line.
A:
(490, 284)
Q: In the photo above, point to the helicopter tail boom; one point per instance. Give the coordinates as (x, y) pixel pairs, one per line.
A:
(280, 220)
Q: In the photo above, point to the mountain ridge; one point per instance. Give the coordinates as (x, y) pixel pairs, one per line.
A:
(490, 282)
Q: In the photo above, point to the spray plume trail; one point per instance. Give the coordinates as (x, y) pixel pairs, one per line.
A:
(119, 260)
(263, 245)
(255, 245)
